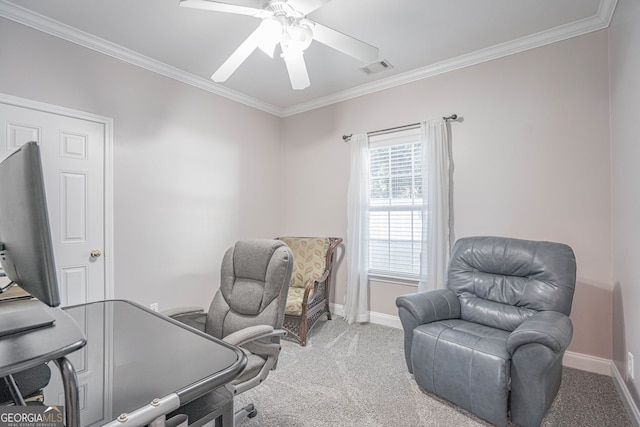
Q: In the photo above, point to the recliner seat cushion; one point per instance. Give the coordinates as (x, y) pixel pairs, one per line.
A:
(465, 363)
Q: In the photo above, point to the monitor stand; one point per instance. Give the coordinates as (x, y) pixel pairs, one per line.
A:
(15, 319)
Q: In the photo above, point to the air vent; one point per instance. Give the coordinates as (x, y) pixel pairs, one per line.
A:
(376, 67)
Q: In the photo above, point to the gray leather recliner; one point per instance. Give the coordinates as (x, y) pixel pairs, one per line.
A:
(493, 340)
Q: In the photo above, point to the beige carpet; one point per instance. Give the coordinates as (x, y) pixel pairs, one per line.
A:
(355, 375)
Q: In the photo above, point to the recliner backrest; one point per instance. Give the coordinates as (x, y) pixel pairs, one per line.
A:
(254, 281)
(502, 281)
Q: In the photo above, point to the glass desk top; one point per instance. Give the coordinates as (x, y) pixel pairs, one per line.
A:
(134, 355)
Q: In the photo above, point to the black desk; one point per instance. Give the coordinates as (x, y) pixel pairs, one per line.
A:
(26, 350)
(143, 364)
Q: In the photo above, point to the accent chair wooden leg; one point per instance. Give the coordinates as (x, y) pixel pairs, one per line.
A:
(303, 331)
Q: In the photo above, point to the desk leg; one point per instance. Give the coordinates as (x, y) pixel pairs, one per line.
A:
(71, 399)
(227, 417)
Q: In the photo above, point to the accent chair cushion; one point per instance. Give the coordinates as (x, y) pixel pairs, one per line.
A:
(294, 302)
(309, 259)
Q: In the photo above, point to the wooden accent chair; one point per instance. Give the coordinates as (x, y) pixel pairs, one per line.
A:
(308, 297)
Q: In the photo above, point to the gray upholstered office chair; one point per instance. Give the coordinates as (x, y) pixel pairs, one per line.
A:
(248, 309)
(492, 342)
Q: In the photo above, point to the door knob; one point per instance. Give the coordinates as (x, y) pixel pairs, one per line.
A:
(95, 253)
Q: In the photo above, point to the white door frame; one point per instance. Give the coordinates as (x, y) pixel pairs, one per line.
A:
(108, 172)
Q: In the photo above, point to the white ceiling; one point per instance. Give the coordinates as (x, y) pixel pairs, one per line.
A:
(419, 38)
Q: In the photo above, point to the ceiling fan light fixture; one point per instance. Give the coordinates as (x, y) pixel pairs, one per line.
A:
(270, 35)
(284, 22)
(299, 36)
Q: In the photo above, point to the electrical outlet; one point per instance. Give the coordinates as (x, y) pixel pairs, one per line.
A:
(154, 306)
(630, 365)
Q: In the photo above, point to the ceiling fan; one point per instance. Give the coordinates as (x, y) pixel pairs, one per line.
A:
(284, 22)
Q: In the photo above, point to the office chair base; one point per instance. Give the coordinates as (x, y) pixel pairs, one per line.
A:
(248, 411)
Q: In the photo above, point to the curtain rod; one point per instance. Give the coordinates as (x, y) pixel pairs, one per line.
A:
(346, 138)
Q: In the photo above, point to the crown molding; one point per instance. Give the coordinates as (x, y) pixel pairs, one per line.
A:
(597, 22)
(52, 27)
(605, 11)
(41, 23)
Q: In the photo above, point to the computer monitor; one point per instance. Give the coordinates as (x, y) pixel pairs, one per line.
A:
(26, 252)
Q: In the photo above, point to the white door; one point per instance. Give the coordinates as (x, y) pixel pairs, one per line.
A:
(72, 152)
(73, 160)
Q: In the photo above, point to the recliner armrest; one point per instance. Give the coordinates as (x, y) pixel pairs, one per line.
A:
(424, 307)
(430, 306)
(549, 328)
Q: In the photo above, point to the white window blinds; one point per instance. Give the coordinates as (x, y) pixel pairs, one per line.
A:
(395, 212)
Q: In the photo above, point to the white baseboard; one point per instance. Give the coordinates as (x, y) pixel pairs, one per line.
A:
(602, 366)
(625, 395)
(571, 359)
(374, 317)
(587, 363)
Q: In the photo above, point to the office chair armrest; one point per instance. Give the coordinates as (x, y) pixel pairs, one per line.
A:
(253, 333)
(263, 347)
(191, 316)
(172, 312)
(549, 328)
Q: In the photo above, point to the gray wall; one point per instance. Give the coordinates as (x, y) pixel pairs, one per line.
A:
(193, 172)
(624, 54)
(531, 160)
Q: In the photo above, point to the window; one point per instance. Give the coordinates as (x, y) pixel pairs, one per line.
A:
(395, 210)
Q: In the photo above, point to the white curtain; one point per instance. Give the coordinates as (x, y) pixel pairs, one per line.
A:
(434, 258)
(356, 306)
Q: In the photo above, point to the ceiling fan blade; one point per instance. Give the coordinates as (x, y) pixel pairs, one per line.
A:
(238, 57)
(360, 50)
(307, 6)
(297, 70)
(217, 6)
